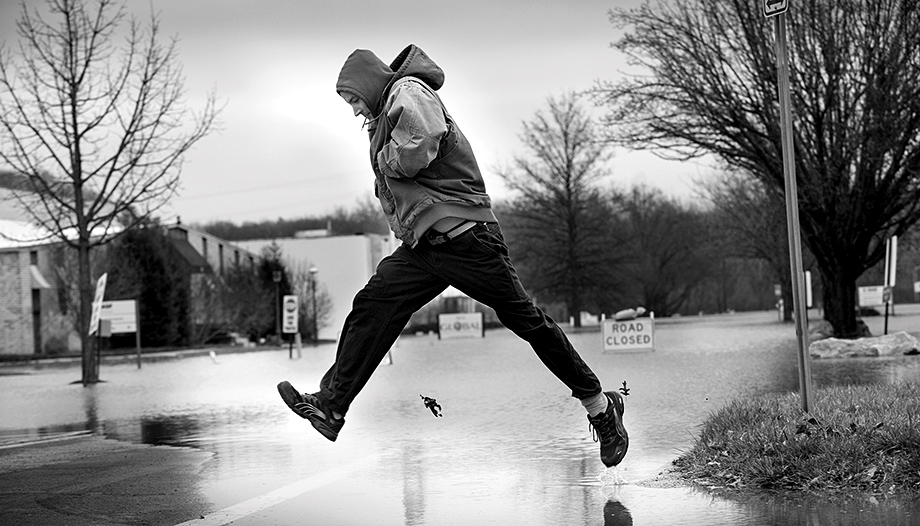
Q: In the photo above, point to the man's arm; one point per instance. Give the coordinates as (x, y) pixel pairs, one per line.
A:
(417, 132)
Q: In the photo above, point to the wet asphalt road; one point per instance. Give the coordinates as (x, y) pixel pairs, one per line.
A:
(207, 441)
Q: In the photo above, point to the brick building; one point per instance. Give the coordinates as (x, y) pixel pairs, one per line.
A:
(34, 317)
(27, 295)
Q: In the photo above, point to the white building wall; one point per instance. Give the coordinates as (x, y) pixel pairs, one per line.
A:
(344, 265)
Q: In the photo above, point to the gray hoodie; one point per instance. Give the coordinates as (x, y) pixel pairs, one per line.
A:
(424, 166)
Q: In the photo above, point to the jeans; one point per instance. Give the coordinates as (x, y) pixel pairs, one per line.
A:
(475, 263)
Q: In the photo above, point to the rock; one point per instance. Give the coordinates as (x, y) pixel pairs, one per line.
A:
(820, 330)
(889, 345)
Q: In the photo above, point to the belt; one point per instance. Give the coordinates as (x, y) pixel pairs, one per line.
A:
(436, 238)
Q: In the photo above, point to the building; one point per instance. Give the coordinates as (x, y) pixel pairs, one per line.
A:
(343, 264)
(207, 253)
(27, 296)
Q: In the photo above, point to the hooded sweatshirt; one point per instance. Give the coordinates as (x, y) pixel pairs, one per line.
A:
(424, 166)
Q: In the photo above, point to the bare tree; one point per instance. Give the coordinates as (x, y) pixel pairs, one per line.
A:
(752, 220)
(855, 74)
(560, 219)
(98, 130)
(314, 298)
(671, 253)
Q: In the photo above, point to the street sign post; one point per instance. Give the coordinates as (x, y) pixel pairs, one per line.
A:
(123, 316)
(97, 304)
(776, 9)
(891, 271)
(289, 314)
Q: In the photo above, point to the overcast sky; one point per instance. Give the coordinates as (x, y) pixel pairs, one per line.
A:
(290, 147)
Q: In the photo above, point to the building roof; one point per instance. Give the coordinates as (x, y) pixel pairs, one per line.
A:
(20, 234)
(196, 261)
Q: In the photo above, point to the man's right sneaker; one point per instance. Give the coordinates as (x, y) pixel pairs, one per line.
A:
(607, 427)
(312, 408)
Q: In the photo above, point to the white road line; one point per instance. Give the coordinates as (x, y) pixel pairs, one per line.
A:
(295, 489)
(31, 441)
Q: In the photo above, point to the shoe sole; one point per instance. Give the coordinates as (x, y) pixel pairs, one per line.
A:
(309, 412)
(619, 408)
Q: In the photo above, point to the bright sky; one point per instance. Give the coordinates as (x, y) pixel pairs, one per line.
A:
(290, 147)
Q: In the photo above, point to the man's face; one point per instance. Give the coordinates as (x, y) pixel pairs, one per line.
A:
(357, 105)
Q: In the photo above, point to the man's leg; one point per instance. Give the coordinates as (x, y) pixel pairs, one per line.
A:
(477, 263)
(402, 284)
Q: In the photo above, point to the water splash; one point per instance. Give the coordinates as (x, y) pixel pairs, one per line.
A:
(611, 477)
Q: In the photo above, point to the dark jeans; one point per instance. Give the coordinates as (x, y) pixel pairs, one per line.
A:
(477, 264)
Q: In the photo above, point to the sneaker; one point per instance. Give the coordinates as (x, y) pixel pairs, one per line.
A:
(607, 427)
(312, 408)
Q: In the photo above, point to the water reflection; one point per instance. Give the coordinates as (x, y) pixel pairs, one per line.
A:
(616, 514)
(413, 468)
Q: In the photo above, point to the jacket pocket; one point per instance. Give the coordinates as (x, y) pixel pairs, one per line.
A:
(409, 199)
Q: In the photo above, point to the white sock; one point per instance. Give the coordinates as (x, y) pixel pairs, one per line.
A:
(596, 404)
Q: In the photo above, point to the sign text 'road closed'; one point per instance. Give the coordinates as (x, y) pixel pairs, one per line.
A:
(629, 335)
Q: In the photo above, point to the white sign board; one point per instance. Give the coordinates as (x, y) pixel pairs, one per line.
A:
(461, 325)
(629, 335)
(97, 304)
(121, 314)
(872, 296)
(289, 309)
(891, 261)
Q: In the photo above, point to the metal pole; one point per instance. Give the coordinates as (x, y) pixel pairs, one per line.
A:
(792, 213)
(278, 312)
(137, 331)
(315, 324)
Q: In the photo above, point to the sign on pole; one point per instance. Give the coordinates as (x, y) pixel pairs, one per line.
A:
(774, 7)
(871, 296)
(629, 335)
(289, 315)
(891, 261)
(809, 298)
(97, 304)
(121, 314)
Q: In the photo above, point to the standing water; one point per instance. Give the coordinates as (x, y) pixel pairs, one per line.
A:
(510, 445)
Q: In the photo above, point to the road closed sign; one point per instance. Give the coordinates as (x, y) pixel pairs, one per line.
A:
(629, 335)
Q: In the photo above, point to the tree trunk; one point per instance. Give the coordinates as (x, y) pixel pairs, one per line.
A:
(840, 302)
(90, 374)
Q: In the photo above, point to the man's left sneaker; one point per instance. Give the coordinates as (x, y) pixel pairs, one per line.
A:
(311, 407)
(607, 428)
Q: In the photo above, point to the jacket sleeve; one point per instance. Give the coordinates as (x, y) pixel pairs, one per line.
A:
(419, 125)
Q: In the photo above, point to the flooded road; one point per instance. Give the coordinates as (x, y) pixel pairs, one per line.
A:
(512, 447)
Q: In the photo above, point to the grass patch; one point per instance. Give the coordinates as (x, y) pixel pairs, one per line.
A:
(856, 439)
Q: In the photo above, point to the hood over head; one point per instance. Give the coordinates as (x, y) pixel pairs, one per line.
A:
(413, 62)
(365, 76)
